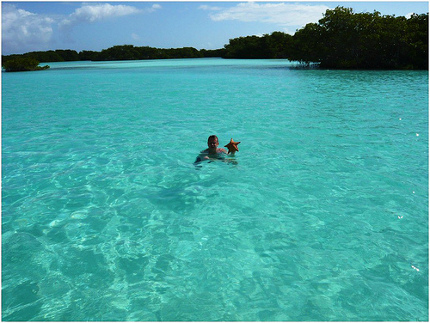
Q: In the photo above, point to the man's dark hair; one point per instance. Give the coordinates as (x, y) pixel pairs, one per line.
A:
(212, 137)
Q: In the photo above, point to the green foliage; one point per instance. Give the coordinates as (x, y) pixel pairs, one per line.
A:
(123, 52)
(269, 46)
(130, 52)
(246, 47)
(279, 44)
(88, 55)
(304, 50)
(213, 52)
(20, 64)
(343, 39)
(68, 55)
(48, 56)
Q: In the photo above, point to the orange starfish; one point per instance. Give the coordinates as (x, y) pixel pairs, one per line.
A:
(232, 146)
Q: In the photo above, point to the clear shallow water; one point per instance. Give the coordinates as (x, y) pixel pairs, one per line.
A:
(322, 216)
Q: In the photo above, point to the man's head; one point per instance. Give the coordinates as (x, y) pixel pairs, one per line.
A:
(213, 142)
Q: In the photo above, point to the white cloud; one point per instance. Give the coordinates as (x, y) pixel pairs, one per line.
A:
(282, 14)
(206, 7)
(96, 12)
(154, 7)
(22, 29)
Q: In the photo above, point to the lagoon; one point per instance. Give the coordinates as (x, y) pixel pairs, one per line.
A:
(322, 216)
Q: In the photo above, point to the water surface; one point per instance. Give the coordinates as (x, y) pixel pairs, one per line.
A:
(321, 216)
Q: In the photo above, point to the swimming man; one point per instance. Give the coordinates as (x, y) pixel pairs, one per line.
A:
(213, 152)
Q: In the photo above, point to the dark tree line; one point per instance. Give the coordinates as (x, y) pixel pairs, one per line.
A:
(341, 39)
(275, 45)
(123, 52)
(22, 64)
(47, 56)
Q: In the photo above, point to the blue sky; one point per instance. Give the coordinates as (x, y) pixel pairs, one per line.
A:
(34, 26)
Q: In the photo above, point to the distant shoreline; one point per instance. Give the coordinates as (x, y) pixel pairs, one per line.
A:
(342, 39)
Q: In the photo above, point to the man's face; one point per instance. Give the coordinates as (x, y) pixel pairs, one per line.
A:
(213, 143)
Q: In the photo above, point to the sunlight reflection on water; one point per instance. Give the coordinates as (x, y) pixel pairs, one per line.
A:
(322, 217)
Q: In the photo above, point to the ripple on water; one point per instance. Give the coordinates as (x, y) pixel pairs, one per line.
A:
(321, 215)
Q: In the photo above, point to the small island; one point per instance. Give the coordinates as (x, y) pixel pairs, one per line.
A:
(341, 39)
(22, 64)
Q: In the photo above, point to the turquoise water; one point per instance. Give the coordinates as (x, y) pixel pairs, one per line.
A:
(321, 216)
